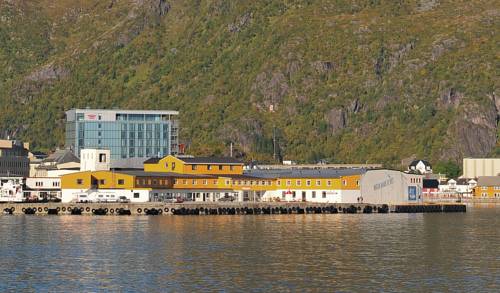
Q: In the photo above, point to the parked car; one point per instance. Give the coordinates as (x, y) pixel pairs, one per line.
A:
(123, 199)
(227, 198)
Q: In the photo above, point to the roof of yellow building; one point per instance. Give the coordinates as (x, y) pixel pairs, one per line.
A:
(200, 160)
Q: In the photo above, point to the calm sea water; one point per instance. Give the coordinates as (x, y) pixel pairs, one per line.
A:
(322, 253)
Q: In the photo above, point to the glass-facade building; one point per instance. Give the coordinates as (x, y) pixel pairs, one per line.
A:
(126, 133)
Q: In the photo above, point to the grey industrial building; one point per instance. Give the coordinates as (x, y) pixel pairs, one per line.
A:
(391, 187)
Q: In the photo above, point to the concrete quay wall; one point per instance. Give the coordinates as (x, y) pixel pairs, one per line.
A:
(224, 208)
(170, 208)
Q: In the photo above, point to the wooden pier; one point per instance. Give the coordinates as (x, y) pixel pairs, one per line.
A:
(226, 208)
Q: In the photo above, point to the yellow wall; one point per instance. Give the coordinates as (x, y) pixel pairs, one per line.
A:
(351, 182)
(196, 183)
(252, 184)
(110, 180)
(490, 191)
(308, 183)
(173, 164)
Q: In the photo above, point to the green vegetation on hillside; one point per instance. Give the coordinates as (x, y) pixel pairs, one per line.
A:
(348, 81)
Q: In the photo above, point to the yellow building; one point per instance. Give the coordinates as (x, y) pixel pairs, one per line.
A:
(212, 179)
(487, 187)
(137, 186)
(312, 185)
(196, 166)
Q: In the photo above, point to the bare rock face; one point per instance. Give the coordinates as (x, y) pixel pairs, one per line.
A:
(427, 5)
(474, 130)
(47, 73)
(440, 47)
(240, 23)
(451, 98)
(337, 119)
(355, 106)
(271, 88)
(323, 67)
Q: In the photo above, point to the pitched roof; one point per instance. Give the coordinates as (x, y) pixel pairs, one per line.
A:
(211, 160)
(153, 160)
(138, 173)
(321, 173)
(128, 163)
(415, 162)
(62, 157)
(488, 181)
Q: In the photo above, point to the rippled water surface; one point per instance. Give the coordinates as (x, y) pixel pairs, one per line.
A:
(323, 253)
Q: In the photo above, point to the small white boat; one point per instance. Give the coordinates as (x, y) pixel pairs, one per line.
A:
(11, 190)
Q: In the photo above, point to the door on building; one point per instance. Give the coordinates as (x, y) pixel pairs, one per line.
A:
(303, 196)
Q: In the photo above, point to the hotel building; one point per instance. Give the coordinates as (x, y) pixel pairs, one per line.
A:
(126, 133)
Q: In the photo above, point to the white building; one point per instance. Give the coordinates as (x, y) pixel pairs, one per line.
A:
(420, 166)
(391, 187)
(95, 160)
(454, 188)
(474, 168)
(42, 188)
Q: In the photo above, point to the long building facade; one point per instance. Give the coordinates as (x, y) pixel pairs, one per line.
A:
(126, 133)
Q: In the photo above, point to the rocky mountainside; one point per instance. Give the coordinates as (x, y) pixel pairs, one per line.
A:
(341, 80)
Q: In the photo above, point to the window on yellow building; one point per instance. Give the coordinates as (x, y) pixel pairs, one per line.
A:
(79, 181)
(231, 168)
(357, 182)
(166, 165)
(193, 167)
(251, 182)
(194, 182)
(227, 182)
(209, 167)
(484, 188)
(239, 182)
(318, 182)
(298, 182)
(121, 181)
(246, 182)
(173, 165)
(308, 182)
(102, 181)
(344, 182)
(184, 182)
(288, 182)
(263, 183)
(155, 182)
(215, 182)
(278, 182)
(329, 183)
(205, 182)
(220, 167)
